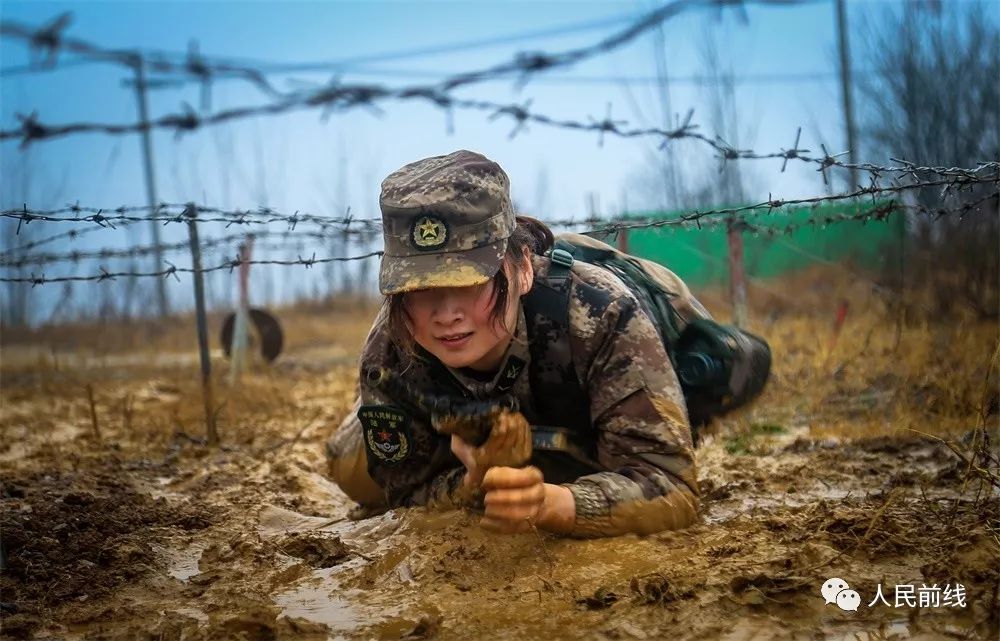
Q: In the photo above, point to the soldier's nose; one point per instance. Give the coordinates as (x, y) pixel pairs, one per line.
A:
(448, 310)
(448, 316)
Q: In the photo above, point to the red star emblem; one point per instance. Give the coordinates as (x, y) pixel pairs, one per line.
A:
(383, 436)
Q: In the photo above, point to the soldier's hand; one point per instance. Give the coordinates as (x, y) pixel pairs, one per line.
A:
(513, 499)
(509, 445)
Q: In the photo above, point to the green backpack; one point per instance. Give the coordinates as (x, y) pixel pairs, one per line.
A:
(720, 367)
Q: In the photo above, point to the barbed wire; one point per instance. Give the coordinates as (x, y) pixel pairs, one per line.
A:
(953, 178)
(771, 204)
(879, 212)
(72, 234)
(351, 63)
(960, 210)
(180, 213)
(348, 96)
(904, 167)
(298, 238)
(337, 96)
(173, 270)
(50, 40)
(290, 239)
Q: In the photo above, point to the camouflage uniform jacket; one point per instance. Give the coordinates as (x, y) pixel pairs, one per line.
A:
(632, 418)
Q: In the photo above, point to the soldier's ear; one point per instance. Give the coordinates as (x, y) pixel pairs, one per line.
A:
(527, 274)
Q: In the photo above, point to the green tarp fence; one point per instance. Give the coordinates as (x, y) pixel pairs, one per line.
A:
(700, 256)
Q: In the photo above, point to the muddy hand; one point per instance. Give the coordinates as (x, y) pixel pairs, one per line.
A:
(470, 420)
(514, 498)
(508, 445)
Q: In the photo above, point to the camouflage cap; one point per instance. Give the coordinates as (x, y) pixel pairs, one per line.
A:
(446, 221)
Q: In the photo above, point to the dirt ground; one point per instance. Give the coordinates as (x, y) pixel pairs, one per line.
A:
(865, 460)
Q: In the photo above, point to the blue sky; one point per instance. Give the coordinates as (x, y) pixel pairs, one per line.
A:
(302, 162)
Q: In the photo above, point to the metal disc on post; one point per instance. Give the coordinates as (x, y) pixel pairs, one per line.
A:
(267, 333)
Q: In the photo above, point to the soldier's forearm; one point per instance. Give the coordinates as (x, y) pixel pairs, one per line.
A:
(608, 506)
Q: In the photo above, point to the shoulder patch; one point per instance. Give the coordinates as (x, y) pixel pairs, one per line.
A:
(387, 432)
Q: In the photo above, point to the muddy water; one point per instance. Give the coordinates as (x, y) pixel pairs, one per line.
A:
(775, 527)
(254, 543)
(323, 600)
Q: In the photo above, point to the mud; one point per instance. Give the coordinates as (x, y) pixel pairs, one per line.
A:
(146, 533)
(78, 538)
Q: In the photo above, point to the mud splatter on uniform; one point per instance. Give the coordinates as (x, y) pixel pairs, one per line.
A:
(595, 375)
(635, 423)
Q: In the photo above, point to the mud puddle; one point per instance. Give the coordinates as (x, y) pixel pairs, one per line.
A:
(74, 538)
(137, 538)
(281, 560)
(753, 569)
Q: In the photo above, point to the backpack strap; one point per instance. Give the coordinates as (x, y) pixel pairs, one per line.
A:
(549, 296)
(560, 262)
(558, 394)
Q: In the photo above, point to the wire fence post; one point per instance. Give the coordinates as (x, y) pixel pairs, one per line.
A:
(347, 281)
(147, 156)
(737, 276)
(199, 303)
(238, 348)
(621, 241)
(845, 88)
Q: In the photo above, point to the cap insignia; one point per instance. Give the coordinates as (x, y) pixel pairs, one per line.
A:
(428, 232)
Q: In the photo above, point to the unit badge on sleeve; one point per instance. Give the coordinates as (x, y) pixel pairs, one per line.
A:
(387, 432)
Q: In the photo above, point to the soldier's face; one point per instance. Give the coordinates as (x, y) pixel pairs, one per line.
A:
(454, 323)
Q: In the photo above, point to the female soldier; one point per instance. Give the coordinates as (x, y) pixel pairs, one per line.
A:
(476, 310)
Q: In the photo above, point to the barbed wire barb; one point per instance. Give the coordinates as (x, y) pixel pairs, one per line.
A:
(794, 151)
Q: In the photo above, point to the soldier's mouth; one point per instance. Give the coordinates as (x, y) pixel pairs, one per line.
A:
(455, 340)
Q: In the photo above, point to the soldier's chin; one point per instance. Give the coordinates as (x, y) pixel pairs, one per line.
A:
(456, 361)
(459, 358)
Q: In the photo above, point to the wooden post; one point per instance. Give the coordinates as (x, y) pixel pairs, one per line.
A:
(238, 347)
(845, 90)
(147, 155)
(737, 277)
(347, 280)
(622, 241)
(199, 304)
